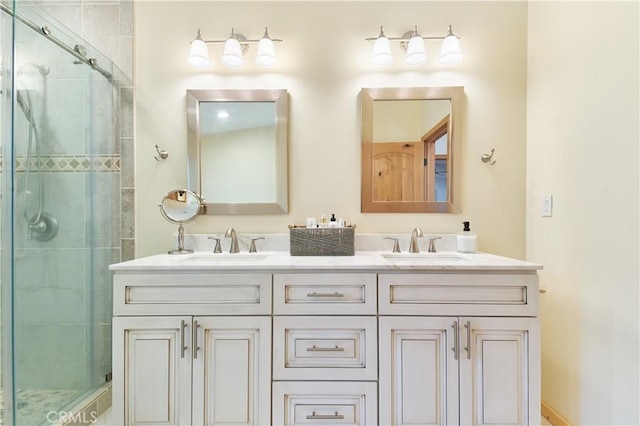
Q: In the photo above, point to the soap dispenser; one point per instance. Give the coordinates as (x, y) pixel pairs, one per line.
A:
(332, 222)
(467, 241)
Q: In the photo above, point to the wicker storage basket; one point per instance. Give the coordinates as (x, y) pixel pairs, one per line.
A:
(321, 241)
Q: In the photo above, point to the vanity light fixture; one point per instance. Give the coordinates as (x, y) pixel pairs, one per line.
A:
(412, 43)
(235, 47)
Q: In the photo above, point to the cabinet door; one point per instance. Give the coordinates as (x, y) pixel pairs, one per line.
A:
(232, 371)
(499, 371)
(418, 371)
(152, 371)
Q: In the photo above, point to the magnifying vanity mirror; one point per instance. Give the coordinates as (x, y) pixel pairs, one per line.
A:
(181, 206)
(237, 150)
(409, 137)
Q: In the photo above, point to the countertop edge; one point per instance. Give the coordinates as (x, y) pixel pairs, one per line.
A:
(282, 261)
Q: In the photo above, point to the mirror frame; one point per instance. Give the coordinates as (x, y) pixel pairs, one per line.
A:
(368, 96)
(194, 181)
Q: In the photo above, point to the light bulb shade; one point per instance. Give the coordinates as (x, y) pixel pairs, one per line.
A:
(266, 53)
(450, 52)
(198, 54)
(232, 56)
(415, 51)
(382, 51)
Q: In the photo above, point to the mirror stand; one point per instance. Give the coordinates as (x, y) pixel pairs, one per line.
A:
(180, 249)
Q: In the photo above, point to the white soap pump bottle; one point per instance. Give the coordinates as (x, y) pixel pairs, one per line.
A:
(467, 241)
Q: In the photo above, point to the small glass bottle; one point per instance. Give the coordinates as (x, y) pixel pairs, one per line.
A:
(333, 223)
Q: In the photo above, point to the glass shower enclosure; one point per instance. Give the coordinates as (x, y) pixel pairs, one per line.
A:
(59, 215)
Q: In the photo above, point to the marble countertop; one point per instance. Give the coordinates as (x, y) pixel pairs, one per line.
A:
(200, 261)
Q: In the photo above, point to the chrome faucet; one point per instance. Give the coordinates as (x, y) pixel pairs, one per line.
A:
(413, 245)
(231, 233)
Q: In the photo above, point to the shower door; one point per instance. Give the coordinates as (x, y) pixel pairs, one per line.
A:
(65, 204)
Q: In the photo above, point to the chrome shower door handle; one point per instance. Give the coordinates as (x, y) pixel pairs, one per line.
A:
(456, 341)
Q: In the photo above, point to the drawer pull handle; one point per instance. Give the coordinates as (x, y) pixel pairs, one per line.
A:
(314, 294)
(314, 416)
(336, 348)
(456, 347)
(183, 346)
(468, 348)
(195, 339)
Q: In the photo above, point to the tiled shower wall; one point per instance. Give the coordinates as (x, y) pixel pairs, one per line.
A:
(108, 26)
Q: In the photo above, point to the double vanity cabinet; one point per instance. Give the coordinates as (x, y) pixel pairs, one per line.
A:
(358, 340)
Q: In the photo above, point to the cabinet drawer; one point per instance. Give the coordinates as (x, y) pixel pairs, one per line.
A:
(325, 348)
(464, 294)
(192, 294)
(324, 294)
(325, 403)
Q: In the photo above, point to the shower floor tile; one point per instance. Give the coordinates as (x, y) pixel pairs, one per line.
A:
(33, 405)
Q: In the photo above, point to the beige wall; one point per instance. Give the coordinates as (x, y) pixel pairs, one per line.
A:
(574, 99)
(582, 147)
(324, 62)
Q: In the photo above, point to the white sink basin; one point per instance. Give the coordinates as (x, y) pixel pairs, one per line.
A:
(425, 257)
(224, 257)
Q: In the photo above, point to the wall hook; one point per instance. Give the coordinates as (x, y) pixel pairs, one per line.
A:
(162, 153)
(486, 158)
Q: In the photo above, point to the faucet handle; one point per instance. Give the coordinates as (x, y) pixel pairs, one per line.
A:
(432, 245)
(396, 245)
(252, 247)
(218, 248)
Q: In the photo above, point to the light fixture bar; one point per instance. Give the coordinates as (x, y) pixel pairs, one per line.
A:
(235, 47)
(242, 39)
(401, 38)
(411, 44)
(406, 36)
(275, 40)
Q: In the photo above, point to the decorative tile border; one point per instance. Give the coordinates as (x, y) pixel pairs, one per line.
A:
(70, 164)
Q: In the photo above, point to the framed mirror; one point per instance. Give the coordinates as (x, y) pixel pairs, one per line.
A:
(237, 150)
(409, 138)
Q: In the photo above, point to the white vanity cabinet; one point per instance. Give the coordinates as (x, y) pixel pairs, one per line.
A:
(192, 369)
(320, 341)
(453, 369)
(325, 352)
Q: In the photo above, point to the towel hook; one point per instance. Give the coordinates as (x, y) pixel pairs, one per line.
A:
(486, 158)
(162, 153)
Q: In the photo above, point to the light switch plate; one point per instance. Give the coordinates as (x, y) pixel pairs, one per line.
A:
(547, 205)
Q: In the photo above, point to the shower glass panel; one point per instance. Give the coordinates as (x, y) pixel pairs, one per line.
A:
(65, 201)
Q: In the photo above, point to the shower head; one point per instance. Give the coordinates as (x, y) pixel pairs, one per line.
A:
(24, 104)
